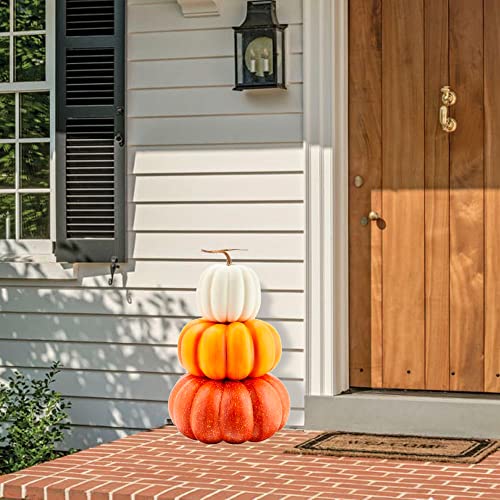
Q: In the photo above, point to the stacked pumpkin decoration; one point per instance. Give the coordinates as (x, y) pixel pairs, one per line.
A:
(228, 394)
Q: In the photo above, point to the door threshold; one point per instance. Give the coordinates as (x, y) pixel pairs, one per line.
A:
(422, 393)
(420, 413)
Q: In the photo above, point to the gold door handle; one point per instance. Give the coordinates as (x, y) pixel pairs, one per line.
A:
(448, 124)
(448, 98)
(373, 217)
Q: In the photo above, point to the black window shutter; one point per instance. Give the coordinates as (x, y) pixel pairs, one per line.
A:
(90, 152)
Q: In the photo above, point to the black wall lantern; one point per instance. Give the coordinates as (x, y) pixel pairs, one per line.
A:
(259, 45)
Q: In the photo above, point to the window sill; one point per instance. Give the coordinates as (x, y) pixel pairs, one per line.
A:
(35, 268)
(32, 260)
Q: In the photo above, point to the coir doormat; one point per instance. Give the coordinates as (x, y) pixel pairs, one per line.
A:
(428, 449)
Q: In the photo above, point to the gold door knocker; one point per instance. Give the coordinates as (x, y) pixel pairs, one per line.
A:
(448, 98)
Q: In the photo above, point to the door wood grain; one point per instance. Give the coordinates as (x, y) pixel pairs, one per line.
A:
(403, 308)
(365, 160)
(437, 202)
(467, 198)
(492, 195)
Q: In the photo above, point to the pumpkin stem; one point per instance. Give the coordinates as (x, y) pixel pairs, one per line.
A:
(226, 251)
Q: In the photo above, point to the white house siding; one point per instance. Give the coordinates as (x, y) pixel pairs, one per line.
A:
(208, 167)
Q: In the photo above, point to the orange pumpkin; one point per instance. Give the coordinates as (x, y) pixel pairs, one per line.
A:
(234, 351)
(212, 411)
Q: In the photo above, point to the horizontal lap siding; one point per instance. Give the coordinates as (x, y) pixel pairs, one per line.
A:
(125, 386)
(125, 358)
(209, 159)
(206, 72)
(207, 167)
(116, 329)
(131, 302)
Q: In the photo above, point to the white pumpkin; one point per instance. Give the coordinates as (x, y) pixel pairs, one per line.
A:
(228, 292)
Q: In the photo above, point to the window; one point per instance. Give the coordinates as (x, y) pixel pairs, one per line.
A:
(26, 119)
(62, 66)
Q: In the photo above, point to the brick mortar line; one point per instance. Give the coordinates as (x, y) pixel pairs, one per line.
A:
(217, 492)
(167, 489)
(132, 496)
(46, 487)
(67, 490)
(23, 486)
(192, 490)
(88, 492)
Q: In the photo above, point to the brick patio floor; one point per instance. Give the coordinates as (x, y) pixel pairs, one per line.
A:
(162, 464)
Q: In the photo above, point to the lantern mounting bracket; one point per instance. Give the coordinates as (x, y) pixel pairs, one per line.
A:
(199, 8)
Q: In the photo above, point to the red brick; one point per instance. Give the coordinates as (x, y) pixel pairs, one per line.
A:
(13, 485)
(79, 491)
(163, 460)
(36, 490)
(328, 489)
(297, 497)
(174, 493)
(243, 495)
(150, 492)
(167, 481)
(197, 494)
(57, 491)
(352, 496)
(127, 490)
(103, 492)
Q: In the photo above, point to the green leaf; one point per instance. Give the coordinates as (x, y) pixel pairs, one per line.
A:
(36, 420)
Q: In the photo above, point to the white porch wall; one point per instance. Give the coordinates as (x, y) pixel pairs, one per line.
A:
(208, 167)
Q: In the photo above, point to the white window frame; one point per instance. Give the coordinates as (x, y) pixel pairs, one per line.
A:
(27, 250)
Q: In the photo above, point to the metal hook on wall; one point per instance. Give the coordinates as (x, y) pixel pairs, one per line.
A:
(113, 267)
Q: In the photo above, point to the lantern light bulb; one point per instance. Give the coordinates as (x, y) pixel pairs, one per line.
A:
(265, 61)
(253, 62)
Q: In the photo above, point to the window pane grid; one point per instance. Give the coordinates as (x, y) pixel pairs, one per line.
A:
(18, 204)
(25, 140)
(25, 191)
(11, 41)
(14, 35)
(24, 200)
(20, 33)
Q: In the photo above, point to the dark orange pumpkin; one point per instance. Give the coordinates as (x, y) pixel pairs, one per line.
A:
(233, 411)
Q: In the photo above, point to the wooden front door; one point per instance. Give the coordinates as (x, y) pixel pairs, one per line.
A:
(425, 276)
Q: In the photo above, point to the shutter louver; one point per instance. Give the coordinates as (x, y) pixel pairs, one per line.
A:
(90, 77)
(90, 17)
(90, 131)
(90, 178)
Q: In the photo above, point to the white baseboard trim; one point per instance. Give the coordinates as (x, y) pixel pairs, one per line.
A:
(471, 416)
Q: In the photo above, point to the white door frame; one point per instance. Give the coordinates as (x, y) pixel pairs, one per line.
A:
(326, 28)
(327, 230)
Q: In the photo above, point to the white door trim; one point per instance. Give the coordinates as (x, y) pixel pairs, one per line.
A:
(326, 148)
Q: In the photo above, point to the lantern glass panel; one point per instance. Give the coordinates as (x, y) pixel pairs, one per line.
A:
(259, 57)
(280, 73)
(240, 71)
